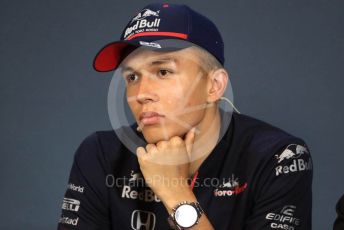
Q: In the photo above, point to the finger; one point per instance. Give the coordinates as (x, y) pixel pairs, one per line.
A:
(151, 148)
(161, 145)
(140, 152)
(189, 140)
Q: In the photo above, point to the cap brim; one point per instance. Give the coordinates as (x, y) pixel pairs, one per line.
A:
(110, 56)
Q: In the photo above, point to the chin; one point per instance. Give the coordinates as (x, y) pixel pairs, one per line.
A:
(154, 135)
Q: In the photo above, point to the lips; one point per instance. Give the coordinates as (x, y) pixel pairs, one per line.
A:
(150, 118)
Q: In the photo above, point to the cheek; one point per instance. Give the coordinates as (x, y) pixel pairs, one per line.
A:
(134, 108)
(197, 97)
(173, 96)
(183, 97)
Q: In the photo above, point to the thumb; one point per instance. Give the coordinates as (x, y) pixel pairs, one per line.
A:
(189, 141)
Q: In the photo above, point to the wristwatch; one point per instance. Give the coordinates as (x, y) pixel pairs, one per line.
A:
(185, 215)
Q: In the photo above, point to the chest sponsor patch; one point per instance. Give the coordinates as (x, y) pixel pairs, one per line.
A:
(135, 188)
(230, 187)
(141, 219)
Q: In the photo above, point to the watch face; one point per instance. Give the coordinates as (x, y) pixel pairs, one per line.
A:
(186, 215)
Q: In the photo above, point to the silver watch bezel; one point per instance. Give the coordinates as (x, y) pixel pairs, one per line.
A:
(184, 213)
(195, 205)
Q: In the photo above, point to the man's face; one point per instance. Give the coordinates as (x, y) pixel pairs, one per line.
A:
(171, 84)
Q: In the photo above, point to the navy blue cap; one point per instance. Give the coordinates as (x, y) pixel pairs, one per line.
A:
(161, 21)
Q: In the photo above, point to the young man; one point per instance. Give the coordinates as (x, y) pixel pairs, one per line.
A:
(249, 175)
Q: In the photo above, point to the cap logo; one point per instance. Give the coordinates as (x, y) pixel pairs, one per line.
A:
(145, 13)
(140, 23)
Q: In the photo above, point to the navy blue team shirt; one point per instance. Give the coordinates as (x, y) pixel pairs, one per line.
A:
(257, 177)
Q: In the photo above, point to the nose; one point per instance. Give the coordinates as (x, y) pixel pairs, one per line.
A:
(147, 90)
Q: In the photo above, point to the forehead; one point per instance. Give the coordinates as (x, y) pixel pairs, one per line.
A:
(146, 57)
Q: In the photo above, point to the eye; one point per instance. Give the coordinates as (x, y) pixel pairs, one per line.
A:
(131, 77)
(164, 72)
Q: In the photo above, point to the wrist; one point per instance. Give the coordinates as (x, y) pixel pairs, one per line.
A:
(173, 200)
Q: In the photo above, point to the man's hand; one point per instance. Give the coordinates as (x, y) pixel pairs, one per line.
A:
(165, 167)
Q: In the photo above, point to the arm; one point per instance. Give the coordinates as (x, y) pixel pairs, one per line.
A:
(283, 196)
(85, 203)
(165, 168)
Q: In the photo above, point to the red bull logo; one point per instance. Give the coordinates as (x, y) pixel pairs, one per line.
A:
(292, 151)
(146, 20)
(145, 13)
(141, 25)
(301, 160)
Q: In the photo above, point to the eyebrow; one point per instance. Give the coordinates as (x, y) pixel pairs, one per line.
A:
(164, 60)
(158, 61)
(127, 68)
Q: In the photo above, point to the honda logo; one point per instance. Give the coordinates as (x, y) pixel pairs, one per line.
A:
(142, 220)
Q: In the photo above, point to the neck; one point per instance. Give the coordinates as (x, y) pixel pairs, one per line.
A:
(206, 139)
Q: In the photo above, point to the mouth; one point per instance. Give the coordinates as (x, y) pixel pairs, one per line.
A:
(150, 118)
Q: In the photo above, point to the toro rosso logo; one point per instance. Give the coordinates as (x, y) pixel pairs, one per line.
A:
(288, 153)
(231, 187)
(145, 13)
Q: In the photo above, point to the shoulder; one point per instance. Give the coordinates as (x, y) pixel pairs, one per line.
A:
(108, 148)
(107, 140)
(262, 139)
(102, 146)
(258, 129)
(99, 141)
(272, 158)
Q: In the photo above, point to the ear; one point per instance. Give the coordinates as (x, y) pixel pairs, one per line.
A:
(217, 83)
